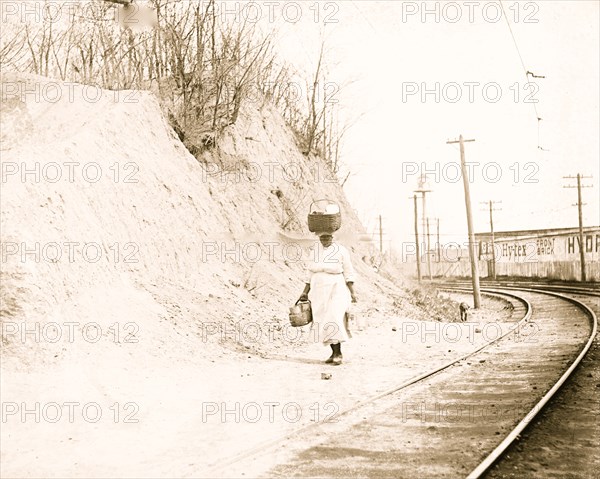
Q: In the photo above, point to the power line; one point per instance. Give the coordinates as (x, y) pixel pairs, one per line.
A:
(363, 16)
(513, 37)
(526, 71)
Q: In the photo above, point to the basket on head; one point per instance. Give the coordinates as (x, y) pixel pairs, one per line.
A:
(324, 216)
(300, 314)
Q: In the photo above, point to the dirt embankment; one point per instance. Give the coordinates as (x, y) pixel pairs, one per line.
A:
(142, 286)
(107, 218)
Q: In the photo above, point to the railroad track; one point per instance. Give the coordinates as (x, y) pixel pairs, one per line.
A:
(454, 421)
(564, 287)
(576, 293)
(569, 424)
(563, 344)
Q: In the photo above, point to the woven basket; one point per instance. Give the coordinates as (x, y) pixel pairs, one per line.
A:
(323, 222)
(300, 314)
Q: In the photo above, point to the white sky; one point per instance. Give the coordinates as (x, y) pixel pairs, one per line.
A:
(372, 46)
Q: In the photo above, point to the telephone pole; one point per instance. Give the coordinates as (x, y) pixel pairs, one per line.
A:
(439, 246)
(417, 239)
(579, 205)
(423, 190)
(380, 236)
(472, 255)
(428, 252)
(491, 207)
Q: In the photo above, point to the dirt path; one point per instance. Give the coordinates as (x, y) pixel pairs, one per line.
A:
(189, 421)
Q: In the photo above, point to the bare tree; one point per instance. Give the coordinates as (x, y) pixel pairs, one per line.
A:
(204, 68)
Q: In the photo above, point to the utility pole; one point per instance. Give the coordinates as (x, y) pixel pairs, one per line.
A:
(439, 247)
(428, 250)
(580, 214)
(472, 255)
(417, 239)
(380, 237)
(324, 132)
(491, 207)
(423, 190)
(581, 241)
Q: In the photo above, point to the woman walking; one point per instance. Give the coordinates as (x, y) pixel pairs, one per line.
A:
(329, 286)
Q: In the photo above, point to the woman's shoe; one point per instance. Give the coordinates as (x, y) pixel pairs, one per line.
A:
(337, 354)
(329, 360)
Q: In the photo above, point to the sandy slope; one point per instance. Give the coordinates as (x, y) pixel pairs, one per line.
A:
(141, 287)
(105, 214)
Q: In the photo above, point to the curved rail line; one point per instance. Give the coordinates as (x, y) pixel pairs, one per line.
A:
(499, 451)
(565, 287)
(485, 464)
(268, 444)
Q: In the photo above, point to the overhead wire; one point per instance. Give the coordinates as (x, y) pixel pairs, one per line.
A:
(526, 71)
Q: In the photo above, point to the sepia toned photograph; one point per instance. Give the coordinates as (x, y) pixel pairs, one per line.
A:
(344, 239)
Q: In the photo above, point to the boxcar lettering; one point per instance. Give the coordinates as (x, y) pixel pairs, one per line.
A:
(545, 246)
(571, 245)
(589, 243)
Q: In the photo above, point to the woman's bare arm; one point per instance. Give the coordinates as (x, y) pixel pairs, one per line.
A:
(350, 285)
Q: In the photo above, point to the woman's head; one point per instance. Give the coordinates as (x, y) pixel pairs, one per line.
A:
(326, 239)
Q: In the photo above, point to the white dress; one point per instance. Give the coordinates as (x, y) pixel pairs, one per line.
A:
(328, 270)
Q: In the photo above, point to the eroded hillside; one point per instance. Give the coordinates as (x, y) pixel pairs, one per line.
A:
(107, 218)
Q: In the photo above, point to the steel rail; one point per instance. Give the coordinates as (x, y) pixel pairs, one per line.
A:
(500, 450)
(592, 289)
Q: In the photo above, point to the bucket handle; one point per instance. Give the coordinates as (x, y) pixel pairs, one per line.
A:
(324, 199)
